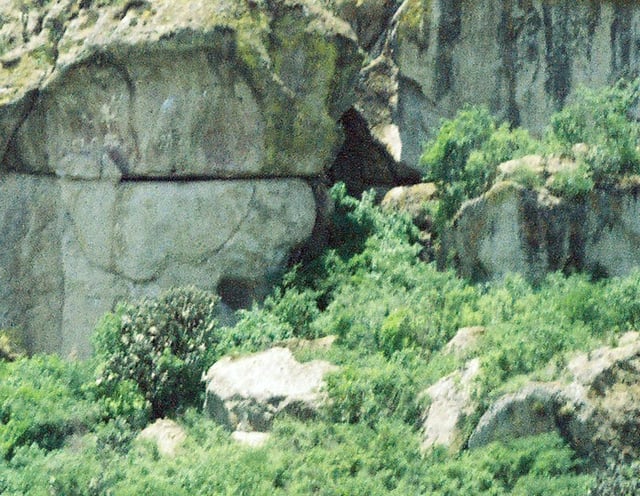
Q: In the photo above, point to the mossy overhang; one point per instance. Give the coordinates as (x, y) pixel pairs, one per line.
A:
(260, 37)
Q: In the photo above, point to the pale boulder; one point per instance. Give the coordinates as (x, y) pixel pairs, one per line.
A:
(246, 393)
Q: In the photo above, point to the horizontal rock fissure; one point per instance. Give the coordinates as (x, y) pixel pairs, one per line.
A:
(199, 178)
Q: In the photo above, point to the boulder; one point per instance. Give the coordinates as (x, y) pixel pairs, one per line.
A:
(412, 200)
(246, 393)
(251, 439)
(73, 249)
(451, 403)
(166, 434)
(513, 228)
(533, 410)
(218, 89)
(596, 409)
(464, 340)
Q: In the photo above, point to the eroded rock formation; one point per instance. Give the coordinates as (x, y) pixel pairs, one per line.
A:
(529, 231)
(524, 60)
(100, 102)
(155, 144)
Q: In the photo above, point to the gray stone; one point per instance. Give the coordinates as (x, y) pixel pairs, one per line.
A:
(531, 411)
(515, 229)
(451, 403)
(251, 439)
(167, 435)
(165, 90)
(246, 393)
(31, 269)
(149, 146)
(464, 340)
(595, 409)
(75, 248)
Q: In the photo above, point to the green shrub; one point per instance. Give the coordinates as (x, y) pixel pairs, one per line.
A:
(537, 465)
(464, 156)
(572, 183)
(601, 118)
(42, 401)
(527, 177)
(163, 345)
(371, 388)
(620, 478)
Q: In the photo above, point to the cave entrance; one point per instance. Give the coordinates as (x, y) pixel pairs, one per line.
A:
(237, 293)
(363, 162)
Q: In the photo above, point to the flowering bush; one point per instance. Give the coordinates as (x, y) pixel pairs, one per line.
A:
(163, 345)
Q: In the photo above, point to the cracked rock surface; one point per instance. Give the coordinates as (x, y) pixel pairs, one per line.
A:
(145, 145)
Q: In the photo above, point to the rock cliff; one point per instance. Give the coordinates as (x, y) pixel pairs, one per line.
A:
(515, 229)
(522, 59)
(146, 144)
(153, 144)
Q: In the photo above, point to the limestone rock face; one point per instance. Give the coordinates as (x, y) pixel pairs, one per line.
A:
(597, 410)
(153, 144)
(524, 60)
(245, 394)
(31, 268)
(73, 249)
(215, 89)
(515, 229)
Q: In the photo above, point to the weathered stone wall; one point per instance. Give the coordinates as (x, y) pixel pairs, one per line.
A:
(522, 59)
(159, 144)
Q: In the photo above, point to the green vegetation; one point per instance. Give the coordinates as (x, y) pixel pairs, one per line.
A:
(462, 160)
(64, 432)
(621, 477)
(603, 120)
(160, 345)
(70, 427)
(597, 131)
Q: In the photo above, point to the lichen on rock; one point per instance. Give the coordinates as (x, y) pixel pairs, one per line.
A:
(116, 108)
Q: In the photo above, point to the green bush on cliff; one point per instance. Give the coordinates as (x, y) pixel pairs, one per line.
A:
(603, 120)
(463, 157)
(163, 345)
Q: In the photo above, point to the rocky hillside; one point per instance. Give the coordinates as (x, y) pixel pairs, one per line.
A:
(150, 144)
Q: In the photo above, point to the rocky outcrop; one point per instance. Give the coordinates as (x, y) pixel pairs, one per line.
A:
(426, 59)
(245, 394)
(516, 229)
(596, 410)
(412, 200)
(155, 144)
(451, 403)
(523, 60)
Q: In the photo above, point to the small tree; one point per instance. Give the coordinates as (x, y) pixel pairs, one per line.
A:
(163, 345)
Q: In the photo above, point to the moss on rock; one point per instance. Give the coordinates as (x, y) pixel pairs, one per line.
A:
(299, 60)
